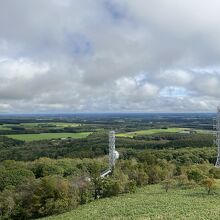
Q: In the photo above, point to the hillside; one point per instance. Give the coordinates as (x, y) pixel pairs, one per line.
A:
(150, 202)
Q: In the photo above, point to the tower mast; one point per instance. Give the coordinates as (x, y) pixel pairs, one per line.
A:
(111, 149)
(217, 140)
(113, 155)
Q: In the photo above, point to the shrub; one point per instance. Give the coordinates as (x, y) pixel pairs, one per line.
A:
(209, 184)
(196, 175)
(110, 187)
(215, 172)
(130, 187)
(183, 182)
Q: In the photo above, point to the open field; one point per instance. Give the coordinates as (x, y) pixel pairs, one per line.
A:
(47, 136)
(150, 202)
(151, 131)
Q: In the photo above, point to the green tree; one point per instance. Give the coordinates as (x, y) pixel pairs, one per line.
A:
(168, 184)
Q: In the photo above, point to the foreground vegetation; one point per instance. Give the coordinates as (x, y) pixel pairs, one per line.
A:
(150, 202)
(46, 187)
(47, 136)
(43, 172)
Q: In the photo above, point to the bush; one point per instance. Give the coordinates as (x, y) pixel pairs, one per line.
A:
(196, 175)
(183, 182)
(86, 196)
(131, 187)
(13, 177)
(110, 187)
(215, 172)
(38, 198)
(154, 174)
(209, 184)
(140, 177)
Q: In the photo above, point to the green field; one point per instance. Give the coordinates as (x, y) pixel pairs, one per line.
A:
(150, 202)
(151, 131)
(47, 136)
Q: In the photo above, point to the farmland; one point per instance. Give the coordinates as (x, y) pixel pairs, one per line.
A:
(150, 202)
(47, 136)
(55, 125)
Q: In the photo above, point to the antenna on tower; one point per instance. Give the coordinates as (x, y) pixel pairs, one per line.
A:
(217, 139)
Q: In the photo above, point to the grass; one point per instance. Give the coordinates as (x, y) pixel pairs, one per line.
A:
(151, 131)
(150, 202)
(47, 136)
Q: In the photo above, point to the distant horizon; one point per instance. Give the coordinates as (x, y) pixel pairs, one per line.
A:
(74, 113)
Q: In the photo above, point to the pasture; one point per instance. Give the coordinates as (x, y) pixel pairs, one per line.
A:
(152, 131)
(47, 136)
(150, 202)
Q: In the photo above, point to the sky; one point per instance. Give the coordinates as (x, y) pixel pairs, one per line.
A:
(71, 56)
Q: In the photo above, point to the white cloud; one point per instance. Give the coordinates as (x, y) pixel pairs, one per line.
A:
(22, 68)
(175, 77)
(96, 55)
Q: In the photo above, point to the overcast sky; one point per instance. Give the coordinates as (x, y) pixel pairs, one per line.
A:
(109, 56)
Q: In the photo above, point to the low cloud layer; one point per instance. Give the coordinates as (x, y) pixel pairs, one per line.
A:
(109, 56)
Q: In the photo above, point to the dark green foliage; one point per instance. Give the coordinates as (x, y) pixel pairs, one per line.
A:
(215, 172)
(110, 187)
(6, 142)
(196, 175)
(13, 177)
(130, 186)
(45, 166)
(37, 198)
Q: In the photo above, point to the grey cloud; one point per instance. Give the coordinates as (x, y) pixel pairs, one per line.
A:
(109, 56)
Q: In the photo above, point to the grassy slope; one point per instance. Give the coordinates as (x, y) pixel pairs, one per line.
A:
(150, 202)
(47, 136)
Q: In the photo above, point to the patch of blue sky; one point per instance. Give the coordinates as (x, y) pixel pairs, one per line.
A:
(116, 12)
(213, 70)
